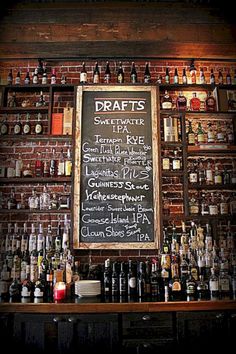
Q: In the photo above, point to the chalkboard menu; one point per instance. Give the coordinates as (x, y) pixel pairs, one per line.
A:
(115, 195)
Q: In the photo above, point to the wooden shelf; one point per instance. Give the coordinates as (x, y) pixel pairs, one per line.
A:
(23, 109)
(34, 137)
(35, 211)
(172, 173)
(195, 86)
(212, 186)
(211, 148)
(44, 180)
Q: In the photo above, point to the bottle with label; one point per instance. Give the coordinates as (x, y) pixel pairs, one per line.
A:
(27, 171)
(107, 74)
(44, 76)
(133, 74)
(33, 200)
(4, 128)
(193, 72)
(41, 101)
(44, 199)
(96, 74)
(147, 74)
(181, 102)
(184, 77)
(120, 78)
(200, 134)
(114, 280)
(11, 201)
(35, 79)
(176, 161)
(17, 78)
(107, 278)
(166, 161)
(220, 78)
(195, 103)
(19, 166)
(12, 101)
(61, 164)
(123, 286)
(190, 134)
(176, 77)
(210, 103)
(53, 77)
(170, 129)
(194, 205)
(220, 134)
(38, 129)
(210, 134)
(212, 78)
(68, 163)
(17, 126)
(83, 74)
(213, 205)
(27, 77)
(26, 129)
(132, 279)
(202, 79)
(217, 175)
(193, 173)
(167, 77)
(53, 169)
(166, 101)
(228, 78)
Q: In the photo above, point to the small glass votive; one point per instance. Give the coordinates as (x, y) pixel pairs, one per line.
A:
(59, 292)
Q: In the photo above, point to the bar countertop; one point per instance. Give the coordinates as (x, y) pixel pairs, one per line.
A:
(96, 305)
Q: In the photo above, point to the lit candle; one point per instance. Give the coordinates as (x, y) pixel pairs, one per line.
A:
(59, 292)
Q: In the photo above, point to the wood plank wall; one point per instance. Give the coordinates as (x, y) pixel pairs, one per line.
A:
(117, 29)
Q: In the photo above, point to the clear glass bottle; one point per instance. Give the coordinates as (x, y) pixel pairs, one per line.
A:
(120, 78)
(167, 77)
(44, 199)
(107, 74)
(176, 161)
(33, 200)
(38, 129)
(212, 77)
(26, 129)
(176, 77)
(202, 79)
(17, 129)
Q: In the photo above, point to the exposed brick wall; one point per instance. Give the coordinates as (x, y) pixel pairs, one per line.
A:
(9, 150)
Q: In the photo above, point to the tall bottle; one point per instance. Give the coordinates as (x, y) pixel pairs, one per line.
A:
(176, 77)
(120, 74)
(147, 74)
(10, 78)
(83, 74)
(107, 278)
(96, 74)
(107, 74)
(133, 74)
(132, 279)
(53, 77)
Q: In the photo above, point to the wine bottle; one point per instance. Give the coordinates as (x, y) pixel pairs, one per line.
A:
(120, 74)
(107, 74)
(83, 74)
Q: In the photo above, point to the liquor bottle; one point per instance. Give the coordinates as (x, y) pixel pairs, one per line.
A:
(228, 78)
(170, 129)
(192, 71)
(107, 278)
(68, 164)
(202, 289)
(24, 239)
(27, 285)
(10, 78)
(193, 173)
(83, 74)
(107, 74)
(41, 101)
(38, 129)
(15, 289)
(166, 161)
(213, 205)
(194, 205)
(176, 77)
(39, 288)
(176, 161)
(35, 79)
(38, 169)
(202, 79)
(210, 134)
(120, 78)
(114, 280)
(27, 126)
(214, 285)
(61, 164)
(132, 279)
(147, 74)
(166, 101)
(195, 103)
(17, 78)
(27, 171)
(96, 74)
(220, 135)
(212, 78)
(210, 103)
(27, 77)
(141, 280)
(11, 201)
(226, 176)
(217, 175)
(4, 128)
(200, 134)
(155, 290)
(224, 284)
(53, 164)
(46, 172)
(63, 79)
(17, 129)
(191, 288)
(33, 200)
(175, 286)
(19, 166)
(209, 173)
(167, 77)
(49, 283)
(220, 78)
(44, 77)
(65, 198)
(12, 101)
(224, 206)
(190, 134)
(44, 199)
(123, 286)
(53, 77)
(133, 74)
(181, 102)
(184, 77)
(229, 134)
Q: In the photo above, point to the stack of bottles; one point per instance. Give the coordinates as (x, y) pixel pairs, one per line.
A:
(189, 267)
(37, 266)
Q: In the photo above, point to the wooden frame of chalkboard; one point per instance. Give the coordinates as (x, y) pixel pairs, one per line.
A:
(116, 168)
